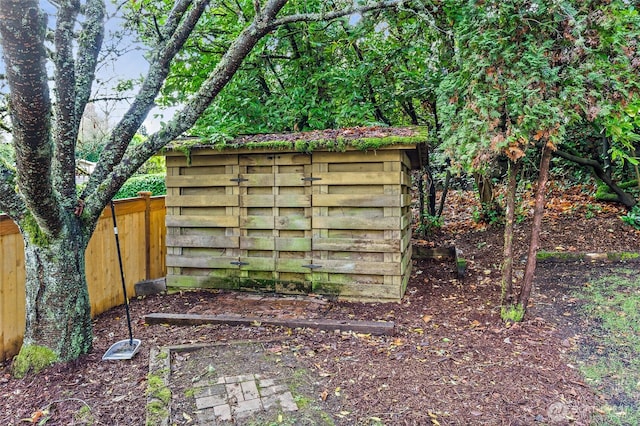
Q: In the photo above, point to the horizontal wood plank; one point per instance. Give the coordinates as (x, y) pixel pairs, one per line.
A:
(360, 200)
(202, 241)
(192, 181)
(341, 222)
(257, 243)
(293, 244)
(202, 200)
(359, 291)
(293, 223)
(367, 327)
(194, 221)
(346, 266)
(348, 178)
(182, 261)
(356, 245)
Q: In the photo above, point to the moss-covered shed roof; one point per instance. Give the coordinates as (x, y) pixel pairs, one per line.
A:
(413, 139)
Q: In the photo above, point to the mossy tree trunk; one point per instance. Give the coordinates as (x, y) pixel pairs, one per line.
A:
(58, 311)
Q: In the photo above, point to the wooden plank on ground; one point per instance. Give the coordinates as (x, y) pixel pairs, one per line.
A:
(369, 327)
(434, 252)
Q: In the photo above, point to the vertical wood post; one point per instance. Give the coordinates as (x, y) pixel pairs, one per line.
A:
(147, 232)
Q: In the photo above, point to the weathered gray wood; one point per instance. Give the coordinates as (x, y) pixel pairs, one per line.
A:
(202, 241)
(148, 287)
(368, 327)
(342, 222)
(200, 180)
(193, 221)
(201, 200)
(357, 200)
(356, 244)
(434, 253)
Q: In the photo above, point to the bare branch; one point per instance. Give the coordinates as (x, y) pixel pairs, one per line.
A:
(179, 26)
(186, 118)
(88, 52)
(328, 16)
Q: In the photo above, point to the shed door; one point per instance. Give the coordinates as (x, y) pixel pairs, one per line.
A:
(275, 222)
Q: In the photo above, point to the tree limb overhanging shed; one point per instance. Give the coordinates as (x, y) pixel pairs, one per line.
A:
(324, 212)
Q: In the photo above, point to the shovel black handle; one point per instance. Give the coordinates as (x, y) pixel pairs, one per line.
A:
(124, 286)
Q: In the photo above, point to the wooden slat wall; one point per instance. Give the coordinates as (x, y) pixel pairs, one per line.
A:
(329, 222)
(139, 252)
(360, 223)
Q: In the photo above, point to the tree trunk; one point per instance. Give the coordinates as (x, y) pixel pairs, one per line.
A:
(527, 283)
(507, 265)
(58, 311)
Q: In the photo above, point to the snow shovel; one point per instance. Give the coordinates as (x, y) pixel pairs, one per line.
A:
(124, 349)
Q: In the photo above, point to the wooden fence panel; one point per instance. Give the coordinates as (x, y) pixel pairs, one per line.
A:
(142, 234)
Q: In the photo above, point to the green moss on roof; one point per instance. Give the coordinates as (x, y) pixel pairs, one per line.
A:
(362, 138)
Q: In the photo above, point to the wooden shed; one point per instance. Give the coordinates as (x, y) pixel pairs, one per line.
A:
(317, 212)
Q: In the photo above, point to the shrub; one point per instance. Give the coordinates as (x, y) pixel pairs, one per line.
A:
(154, 183)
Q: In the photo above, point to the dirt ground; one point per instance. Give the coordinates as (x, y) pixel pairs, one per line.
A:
(452, 360)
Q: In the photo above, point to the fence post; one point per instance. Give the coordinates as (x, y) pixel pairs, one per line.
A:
(147, 232)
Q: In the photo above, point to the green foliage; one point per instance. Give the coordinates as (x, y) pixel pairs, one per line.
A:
(306, 75)
(632, 218)
(526, 71)
(154, 165)
(512, 313)
(490, 213)
(154, 183)
(428, 224)
(7, 154)
(32, 359)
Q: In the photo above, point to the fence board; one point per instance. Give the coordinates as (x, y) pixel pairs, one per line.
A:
(143, 258)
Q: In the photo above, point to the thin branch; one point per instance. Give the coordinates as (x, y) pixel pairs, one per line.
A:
(623, 197)
(176, 31)
(328, 16)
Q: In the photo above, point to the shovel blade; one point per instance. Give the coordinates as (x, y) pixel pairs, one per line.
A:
(124, 349)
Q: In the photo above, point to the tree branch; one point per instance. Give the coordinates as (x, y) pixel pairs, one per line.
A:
(624, 198)
(263, 23)
(328, 16)
(88, 52)
(177, 29)
(67, 122)
(186, 118)
(25, 58)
